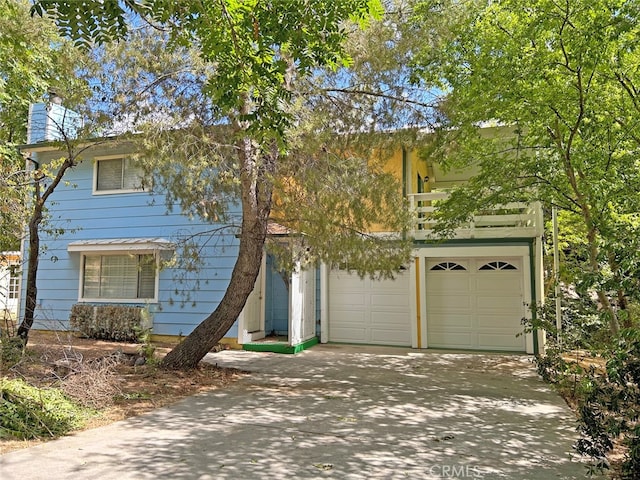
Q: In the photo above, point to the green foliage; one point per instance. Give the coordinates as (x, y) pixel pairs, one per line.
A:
(377, 92)
(583, 334)
(11, 351)
(610, 412)
(605, 387)
(255, 47)
(335, 201)
(33, 59)
(235, 88)
(147, 349)
(584, 327)
(11, 347)
(541, 97)
(193, 161)
(28, 412)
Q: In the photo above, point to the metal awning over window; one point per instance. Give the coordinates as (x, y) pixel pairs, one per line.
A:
(120, 245)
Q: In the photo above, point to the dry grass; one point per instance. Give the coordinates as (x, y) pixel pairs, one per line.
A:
(93, 372)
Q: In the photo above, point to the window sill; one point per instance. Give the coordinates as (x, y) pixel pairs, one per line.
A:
(118, 192)
(141, 301)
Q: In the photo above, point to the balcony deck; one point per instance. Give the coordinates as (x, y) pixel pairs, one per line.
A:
(513, 220)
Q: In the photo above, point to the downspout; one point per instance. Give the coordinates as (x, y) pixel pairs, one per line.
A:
(324, 303)
(404, 182)
(404, 172)
(534, 298)
(556, 273)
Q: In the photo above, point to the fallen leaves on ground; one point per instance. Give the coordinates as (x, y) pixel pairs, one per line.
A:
(138, 389)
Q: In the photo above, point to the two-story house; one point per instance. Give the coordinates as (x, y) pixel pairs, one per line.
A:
(469, 292)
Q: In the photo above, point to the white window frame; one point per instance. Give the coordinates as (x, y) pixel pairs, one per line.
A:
(96, 161)
(82, 299)
(13, 286)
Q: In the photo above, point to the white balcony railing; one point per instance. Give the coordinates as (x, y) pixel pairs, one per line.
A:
(501, 221)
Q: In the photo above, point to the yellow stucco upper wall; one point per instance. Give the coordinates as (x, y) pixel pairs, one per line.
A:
(408, 163)
(394, 164)
(432, 174)
(416, 170)
(410, 169)
(411, 165)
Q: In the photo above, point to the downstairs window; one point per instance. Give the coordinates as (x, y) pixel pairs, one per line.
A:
(119, 277)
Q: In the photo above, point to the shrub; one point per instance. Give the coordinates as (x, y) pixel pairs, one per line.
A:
(609, 412)
(11, 349)
(600, 376)
(108, 322)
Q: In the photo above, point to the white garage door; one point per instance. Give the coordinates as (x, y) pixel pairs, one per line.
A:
(369, 311)
(475, 303)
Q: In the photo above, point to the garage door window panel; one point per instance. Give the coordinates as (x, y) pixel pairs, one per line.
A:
(448, 266)
(498, 266)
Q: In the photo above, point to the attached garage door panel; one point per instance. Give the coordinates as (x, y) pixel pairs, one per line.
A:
(369, 311)
(475, 303)
(450, 338)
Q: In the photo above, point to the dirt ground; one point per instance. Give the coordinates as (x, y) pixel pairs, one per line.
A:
(121, 388)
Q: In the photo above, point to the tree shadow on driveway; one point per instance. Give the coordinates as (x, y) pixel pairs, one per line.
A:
(340, 412)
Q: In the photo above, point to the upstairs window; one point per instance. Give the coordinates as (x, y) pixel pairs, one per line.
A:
(119, 277)
(117, 175)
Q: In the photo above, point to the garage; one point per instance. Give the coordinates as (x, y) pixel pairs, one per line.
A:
(475, 303)
(368, 311)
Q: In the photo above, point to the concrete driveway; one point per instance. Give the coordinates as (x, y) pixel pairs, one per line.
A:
(335, 411)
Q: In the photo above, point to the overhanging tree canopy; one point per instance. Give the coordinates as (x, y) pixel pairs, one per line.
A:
(250, 56)
(560, 83)
(33, 60)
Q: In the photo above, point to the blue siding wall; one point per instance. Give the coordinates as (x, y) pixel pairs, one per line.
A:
(183, 302)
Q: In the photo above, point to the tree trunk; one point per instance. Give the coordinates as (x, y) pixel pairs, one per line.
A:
(31, 294)
(39, 201)
(592, 233)
(603, 298)
(256, 206)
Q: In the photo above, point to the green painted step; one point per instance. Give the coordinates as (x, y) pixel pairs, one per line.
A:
(278, 347)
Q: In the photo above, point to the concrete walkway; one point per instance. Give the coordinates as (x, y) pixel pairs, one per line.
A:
(334, 411)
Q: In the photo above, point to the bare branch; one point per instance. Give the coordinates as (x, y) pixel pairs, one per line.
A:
(371, 93)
